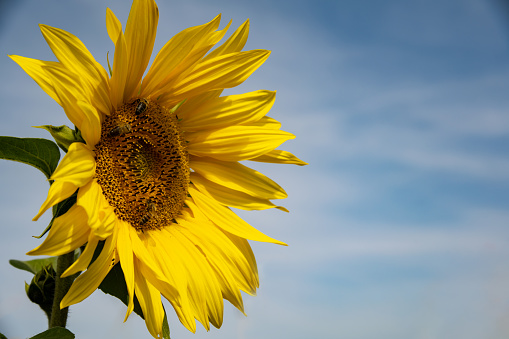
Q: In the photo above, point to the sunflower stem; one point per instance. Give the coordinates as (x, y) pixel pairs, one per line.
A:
(62, 285)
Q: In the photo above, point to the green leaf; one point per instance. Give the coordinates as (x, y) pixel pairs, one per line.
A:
(55, 333)
(41, 153)
(2, 336)
(63, 135)
(166, 327)
(34, 266)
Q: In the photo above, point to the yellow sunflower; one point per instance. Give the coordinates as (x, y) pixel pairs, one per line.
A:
(160, 165)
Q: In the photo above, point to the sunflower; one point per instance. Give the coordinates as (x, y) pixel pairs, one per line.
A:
(159, 168)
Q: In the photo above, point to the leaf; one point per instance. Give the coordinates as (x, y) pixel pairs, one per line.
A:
(2, 336)
(41, 153)
(63, 135)
(55, 333)
(34, 266)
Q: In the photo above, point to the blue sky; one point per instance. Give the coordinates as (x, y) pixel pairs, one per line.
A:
(397, 229)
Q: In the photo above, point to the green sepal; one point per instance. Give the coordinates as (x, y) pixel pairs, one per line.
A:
(166, 327)
(64, 136)
(176, 107)
(55, 333)
(42, 154)
(34, 266)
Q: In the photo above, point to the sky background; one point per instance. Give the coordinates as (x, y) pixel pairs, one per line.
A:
(398, 228)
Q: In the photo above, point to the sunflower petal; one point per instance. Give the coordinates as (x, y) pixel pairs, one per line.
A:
(150, 302)
(226, 219)
(224, 71)
(234, 44)
(228, 110)
(279, 157)
(176, 52)
(237, 177)
(150, 268)
(204, 289)
(235, 143)
(68, 88)
(68, 232)
(221, 255)
(251, 273)
(113, 25)
(169, 261)
(75, 170)
(101, 216)
(230, 197)
(90, 280)
(125, 253)
(140, 34)
(36, 69)
(91, 125)
(120, 71)
(84, 259)
(73, 54)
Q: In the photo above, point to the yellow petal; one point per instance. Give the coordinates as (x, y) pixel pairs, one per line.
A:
(84, 259)
(279, 157)
(73, 54)
(177, 52)
(75, 170)
(226, 219)
(68, 88)
(113, 25)
(234, 44)
(264, 122)
(77, 166)
(120, 72)
(150, 268)
(224, 71)
(168, 259)
(101, 216)
(90, 280)
(125, 253)
(150, 302)
(36, 69)
(238, 177)
(68, 232)
(235, 143)
(204, 289)
(232, 198)
(227, 111)
(140, 34)
(91, 124)
(224, 258)
(246, 254)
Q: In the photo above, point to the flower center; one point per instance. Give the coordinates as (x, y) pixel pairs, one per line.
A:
(142, 164)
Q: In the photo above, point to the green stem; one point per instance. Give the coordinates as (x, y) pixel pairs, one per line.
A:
(62, 285)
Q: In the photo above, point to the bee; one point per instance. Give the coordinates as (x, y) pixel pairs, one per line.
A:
(141, 107)
(121, 129)
(151, 212)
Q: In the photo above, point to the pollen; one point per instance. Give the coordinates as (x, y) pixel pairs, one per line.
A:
(143, 165)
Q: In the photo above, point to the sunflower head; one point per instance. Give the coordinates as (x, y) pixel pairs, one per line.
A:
(159, 168)
(142, 164)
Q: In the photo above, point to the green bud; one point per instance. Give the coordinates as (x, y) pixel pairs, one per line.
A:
(42, 289)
